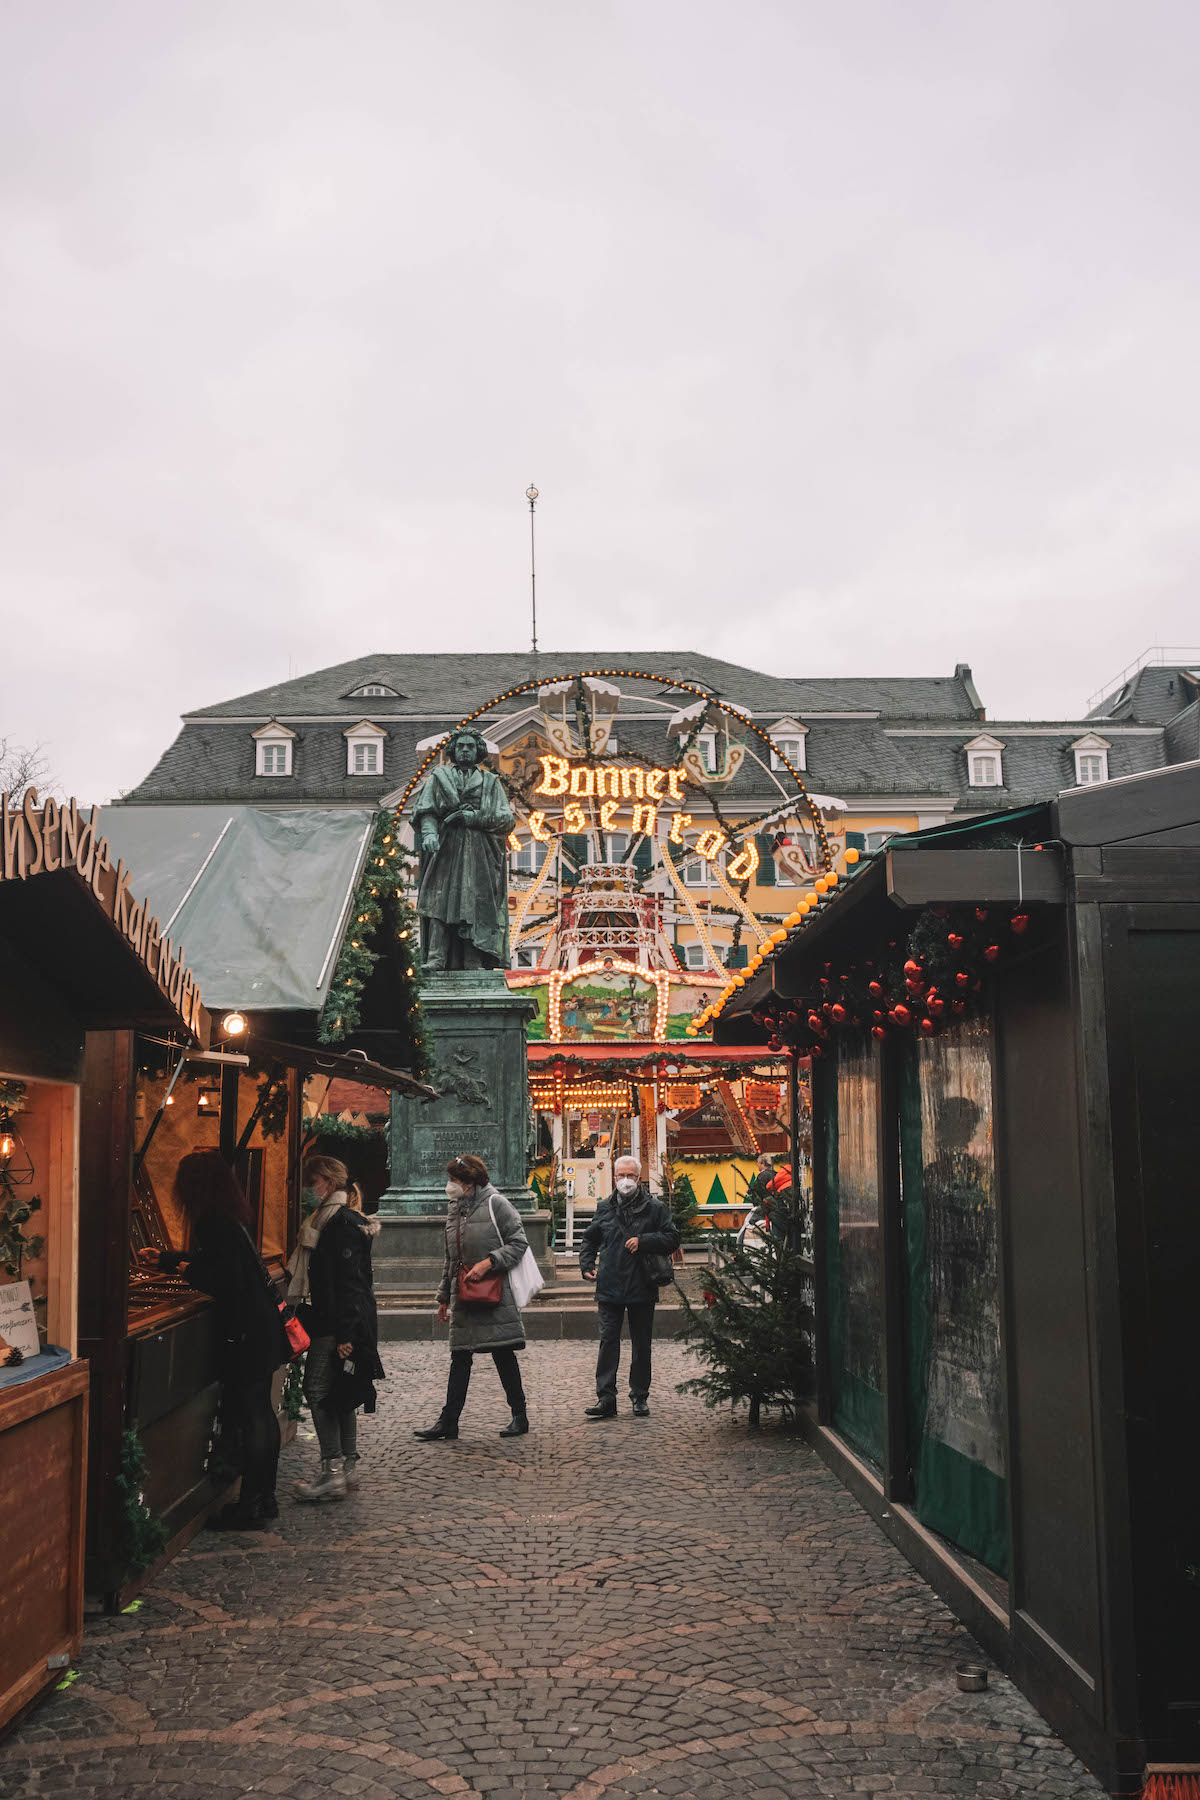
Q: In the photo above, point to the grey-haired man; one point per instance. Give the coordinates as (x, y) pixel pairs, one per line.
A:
(626, 1229)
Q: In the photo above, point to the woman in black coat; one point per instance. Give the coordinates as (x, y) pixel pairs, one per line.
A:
(221, 1260)
(332, 1283)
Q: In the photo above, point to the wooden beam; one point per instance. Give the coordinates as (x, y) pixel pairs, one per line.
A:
(999, 876)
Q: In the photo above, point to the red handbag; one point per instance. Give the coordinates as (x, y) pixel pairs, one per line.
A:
(488, 1292)
(295, 1333)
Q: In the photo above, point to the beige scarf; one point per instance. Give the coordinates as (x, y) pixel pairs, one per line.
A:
(310, 1231)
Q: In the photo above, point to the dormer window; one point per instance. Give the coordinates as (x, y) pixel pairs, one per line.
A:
(985, 762)
(374, 690)
(1091, 760)
(789, 737)
(273, 749)
(364, 748)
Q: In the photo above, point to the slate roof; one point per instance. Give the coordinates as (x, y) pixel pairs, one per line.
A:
(910, 744)
(1153, 696)
(445, 685)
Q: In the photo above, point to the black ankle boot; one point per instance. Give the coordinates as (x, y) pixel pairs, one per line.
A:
(518, 1426)
(435, 1432)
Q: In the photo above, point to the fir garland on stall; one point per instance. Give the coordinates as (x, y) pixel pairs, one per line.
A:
(144, 1535)
(383, 922)
(293, 1389)
(920, 984)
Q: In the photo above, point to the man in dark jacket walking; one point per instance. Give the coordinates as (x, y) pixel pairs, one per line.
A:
(627, 1230)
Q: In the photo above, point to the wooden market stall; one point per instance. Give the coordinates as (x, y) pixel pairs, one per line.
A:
(79, 954)
(1003, 1020)
(268, 963)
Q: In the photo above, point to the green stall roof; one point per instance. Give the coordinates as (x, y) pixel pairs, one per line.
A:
(258, 896)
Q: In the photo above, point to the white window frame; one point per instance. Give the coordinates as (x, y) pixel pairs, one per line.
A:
(789, 734)
(694, 873)
(985, 753)
(612, 837)
(1091, 749)
(529, 859)
(879, 835)
(694, 956)
(269, 740)
(525, 958)
(373, 690)
(359, 737)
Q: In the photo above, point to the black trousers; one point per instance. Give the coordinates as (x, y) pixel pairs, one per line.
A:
(248, 1411)
(641, 1333)
(507, 1368)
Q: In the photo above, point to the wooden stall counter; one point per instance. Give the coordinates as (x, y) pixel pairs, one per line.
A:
(43, 1482)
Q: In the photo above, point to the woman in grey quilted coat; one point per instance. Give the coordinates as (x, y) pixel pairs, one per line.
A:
(483, 1234)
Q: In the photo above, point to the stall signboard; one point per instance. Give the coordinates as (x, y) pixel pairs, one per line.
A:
(18, 1322)
(58, 836)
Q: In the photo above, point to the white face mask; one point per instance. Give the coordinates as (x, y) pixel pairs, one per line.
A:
(454, 1190)
(626, 1184)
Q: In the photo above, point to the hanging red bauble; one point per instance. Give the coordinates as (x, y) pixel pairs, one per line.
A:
(991, 953)
(814, 1021)
(879, 1031)
(838, 1014)
(915, 985)
(1019, 922)
(927, 1026)
(876, 987)
(816, 1053)
(709, 1299)
(774, 1044)
(792, 1016)
(956, 940)
(912, 966)
(981, 914)
(878, 1017)
(936, 1007)
(958, 1006)
(901, 1014)
(962, 979)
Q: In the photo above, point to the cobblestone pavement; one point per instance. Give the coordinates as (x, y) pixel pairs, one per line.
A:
(662, 1606)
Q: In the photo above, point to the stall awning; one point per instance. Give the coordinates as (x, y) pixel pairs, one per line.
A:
(258, 896)
(338, 1065)
(63, 926)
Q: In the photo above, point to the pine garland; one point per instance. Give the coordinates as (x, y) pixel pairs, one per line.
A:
(293, 1389)
(383, 923)
(144, 1533)
(934, 977)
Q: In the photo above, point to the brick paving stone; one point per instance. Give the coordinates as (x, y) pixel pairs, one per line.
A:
(675, 1607)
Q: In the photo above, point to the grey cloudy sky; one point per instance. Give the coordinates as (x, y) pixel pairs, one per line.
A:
(848, 337)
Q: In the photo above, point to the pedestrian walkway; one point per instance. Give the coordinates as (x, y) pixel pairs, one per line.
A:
(668, 1606)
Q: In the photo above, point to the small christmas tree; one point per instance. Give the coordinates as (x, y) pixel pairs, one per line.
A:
(753, 1328)
(680, 1196)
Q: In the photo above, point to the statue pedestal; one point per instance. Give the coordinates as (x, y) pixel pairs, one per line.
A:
(476, 1026)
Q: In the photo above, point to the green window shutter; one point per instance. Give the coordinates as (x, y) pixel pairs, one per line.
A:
(856, 840)
(764, 844)
(643, 858)
(737, 958)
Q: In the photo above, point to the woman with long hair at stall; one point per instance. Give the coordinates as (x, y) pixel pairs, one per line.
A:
(485, 1240)
(221, 1260)
(331, 1285)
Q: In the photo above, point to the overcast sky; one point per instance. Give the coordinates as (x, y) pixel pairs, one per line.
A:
(841, 337)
